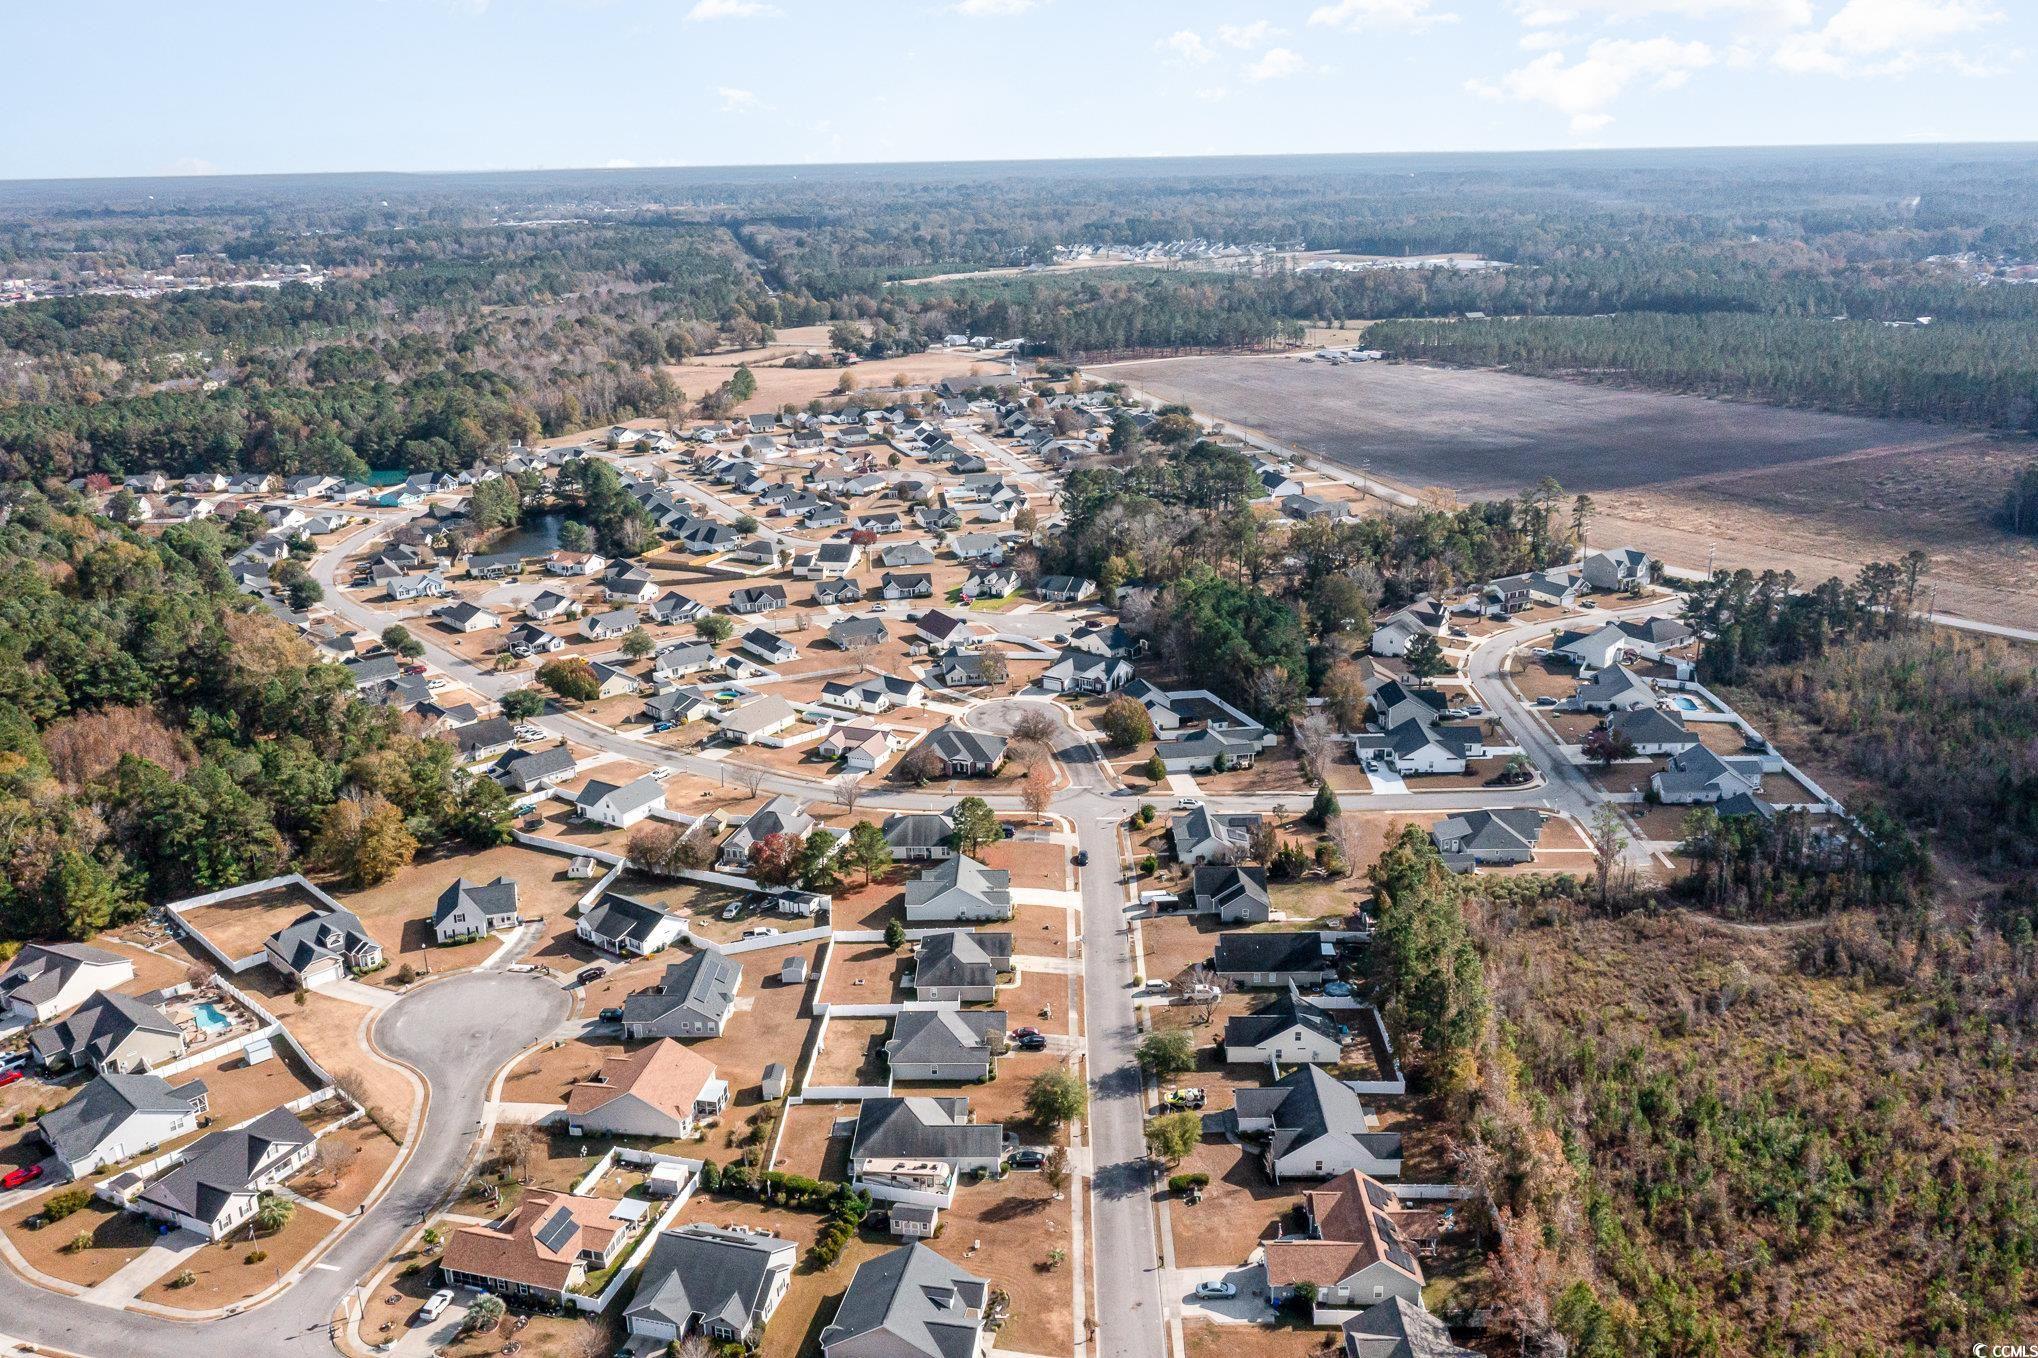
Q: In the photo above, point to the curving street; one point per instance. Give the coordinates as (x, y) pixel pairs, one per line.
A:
(456, 1033)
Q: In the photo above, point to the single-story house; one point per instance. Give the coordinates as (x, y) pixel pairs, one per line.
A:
(945, 1045)
(967, 753)
(962, 965)
(1288, 1030)
(48, 979)
(528, 770)
(1351, 1253)
(109, 1032)
(542, 1250)
(473, 909)
(1301, 958)
(959, 888)
(1236, 895)
(117, 1117)
(218, 1184)
(1316, 1128)
(711, 1281)
(1199, 835)
(919, 1129)
(1488, 838)
(661, 1091)
(758, 719)
(627, 926)
(1698, 775)
(915, 835)
(910, 1303)
(693, 998)
(621, 806)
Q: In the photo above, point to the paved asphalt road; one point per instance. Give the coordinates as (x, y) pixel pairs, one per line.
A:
(457, 1032)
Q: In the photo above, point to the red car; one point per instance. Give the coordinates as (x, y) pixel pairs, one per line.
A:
(15, 1178)
(10, 1076)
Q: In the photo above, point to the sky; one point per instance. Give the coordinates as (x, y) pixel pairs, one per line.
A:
(114, 87)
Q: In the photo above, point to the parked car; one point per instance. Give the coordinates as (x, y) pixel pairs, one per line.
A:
(1028, 1158)
(1018, 1033)
(661, 773)
(1035, 1043)
(435, 1306)
(589, 975)
(662, 726)
(1186, 1098)
(1546, 700)
(529, 732)
(761, 931)
(8, 1077)
(732, 909)
(612, 1014)
(1082, 858)
(15, 1178)
(1217, 1291)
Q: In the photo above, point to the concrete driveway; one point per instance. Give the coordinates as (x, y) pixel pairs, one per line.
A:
(1249, 1307)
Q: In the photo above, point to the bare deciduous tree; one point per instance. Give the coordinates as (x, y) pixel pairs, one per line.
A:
(847, 791)
(1316, 742)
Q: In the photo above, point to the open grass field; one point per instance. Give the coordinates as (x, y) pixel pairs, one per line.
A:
(1679, 476)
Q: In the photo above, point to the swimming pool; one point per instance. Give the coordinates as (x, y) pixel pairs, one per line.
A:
(1684, 704)
(210, 1018)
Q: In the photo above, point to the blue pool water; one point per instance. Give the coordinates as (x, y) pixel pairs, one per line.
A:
(209, 1018)
(1685, 704)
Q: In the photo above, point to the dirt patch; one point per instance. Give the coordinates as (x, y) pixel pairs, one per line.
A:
(238, 928)
(330, 1030)
(117, 1239)
(1034, 864)
(1241, 1206)
(398, 913)
(854, 1054)
(865, 973)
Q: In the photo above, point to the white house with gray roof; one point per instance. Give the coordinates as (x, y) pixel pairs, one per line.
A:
(48, 979)
(945, 1045)
(619, 806)
(707, 1280)
(217, 1185)
(625, 925)
(693, 999)
(109, 1032)
(959, 888)
(322, 946)
(117, 1117)
(472, 909)
(910, 1303)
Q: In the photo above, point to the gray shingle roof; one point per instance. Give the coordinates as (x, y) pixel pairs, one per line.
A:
(722, 1276)
(923, 1128)
(704, 984)
(928, 1306)
(221, 1164)
(945, 1036)
(97, 1027)
(82, 1125)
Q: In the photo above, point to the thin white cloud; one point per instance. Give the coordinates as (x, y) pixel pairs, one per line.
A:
(1543, 39)
(1211, 94)
(1889, 37)
(1279, 63)
(1248, 35)
(1186, 45)
(1585, 89)
(992, 9)
(1373, 15)
(1770, 13)
(738, 101)
(707, 10)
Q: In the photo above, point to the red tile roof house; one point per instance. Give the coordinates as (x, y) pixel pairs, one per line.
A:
(661, 1091)
(1353, 1254)
(542, 1250)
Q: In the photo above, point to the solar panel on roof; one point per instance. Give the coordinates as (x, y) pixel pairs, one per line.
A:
(554, 1234)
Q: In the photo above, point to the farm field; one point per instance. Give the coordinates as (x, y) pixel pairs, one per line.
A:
(1679, 476)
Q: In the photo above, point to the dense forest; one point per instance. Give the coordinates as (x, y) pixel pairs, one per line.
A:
(161, 736)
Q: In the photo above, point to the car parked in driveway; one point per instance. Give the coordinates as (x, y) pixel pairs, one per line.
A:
(15, 1178)
(1216, 1291)
(8, 1077)
(435, 1306)
(1028, 1158)
(1033, 1042)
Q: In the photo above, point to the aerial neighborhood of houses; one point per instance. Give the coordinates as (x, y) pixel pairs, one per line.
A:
(810, 904)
